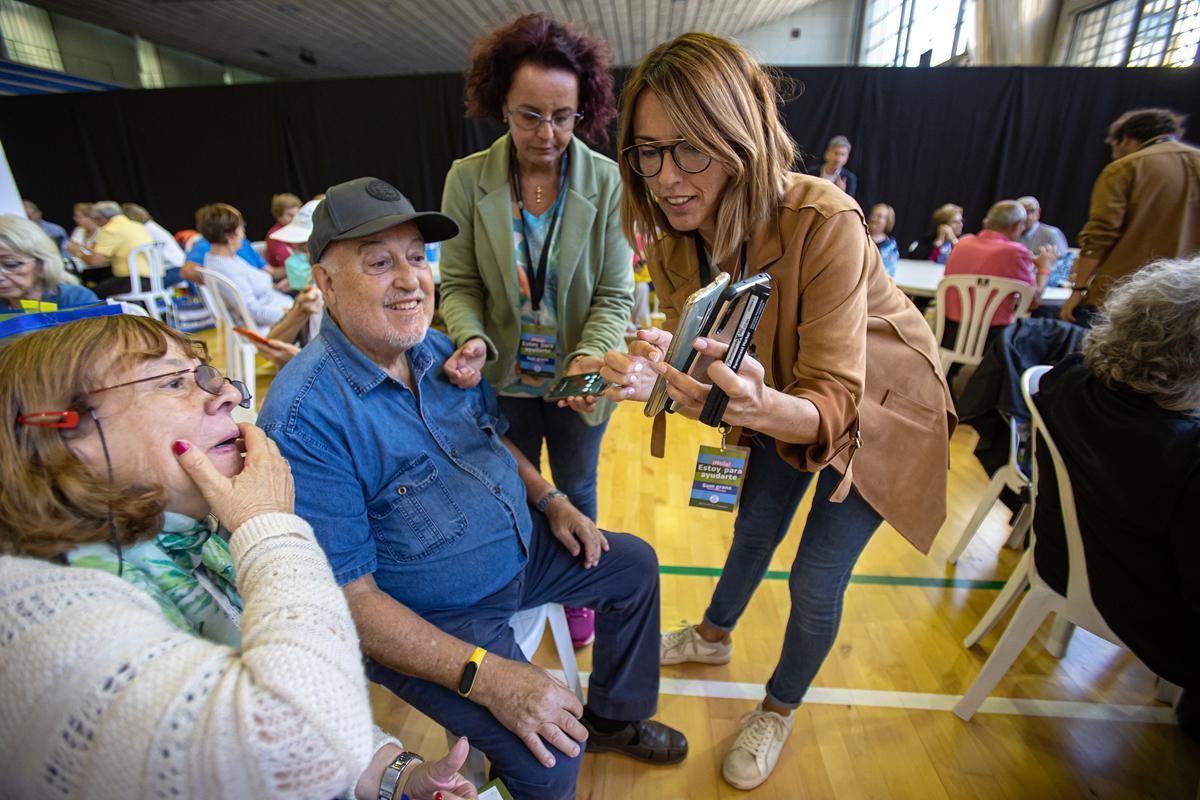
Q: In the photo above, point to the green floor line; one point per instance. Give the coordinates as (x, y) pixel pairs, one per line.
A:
(878, 580)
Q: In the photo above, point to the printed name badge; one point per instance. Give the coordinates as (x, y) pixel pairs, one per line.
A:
(719, 474)
(536, 355)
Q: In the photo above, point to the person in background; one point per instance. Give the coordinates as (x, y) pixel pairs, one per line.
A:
(116, 240)
(947, 227)
(833, 166)
(538, 285)
(1038, 233)
(880, 222)
(85, 230)
(272, 312)
(1125, 415)
(845, 392)
(172, 253)
(57, 233)
(31, 267)
(199, 250)
(996, 251)
(299, 276)
(144, 655)
(1144, 206)
(283, 210)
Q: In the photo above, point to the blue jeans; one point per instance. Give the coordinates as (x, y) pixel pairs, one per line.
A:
(573, 445)
(834, 536)
(623, 588)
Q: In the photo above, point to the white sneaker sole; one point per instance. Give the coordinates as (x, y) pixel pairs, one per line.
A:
(696, 659)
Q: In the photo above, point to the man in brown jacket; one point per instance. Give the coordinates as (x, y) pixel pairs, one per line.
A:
(1145, 205)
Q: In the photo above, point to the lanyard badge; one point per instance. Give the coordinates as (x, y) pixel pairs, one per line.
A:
(719, 474)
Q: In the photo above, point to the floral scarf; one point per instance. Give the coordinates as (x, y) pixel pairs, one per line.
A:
(184, 569)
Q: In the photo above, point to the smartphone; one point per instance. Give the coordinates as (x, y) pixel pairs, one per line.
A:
(585, 385)
(252, 336)
(695, 317)
(737, 319)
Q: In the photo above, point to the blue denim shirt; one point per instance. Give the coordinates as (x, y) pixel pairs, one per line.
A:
(415, 488)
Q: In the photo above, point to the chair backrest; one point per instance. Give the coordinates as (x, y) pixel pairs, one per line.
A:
(153, 253)
(1079, 593)
(224, 301)
(260, 248)
(980, 297)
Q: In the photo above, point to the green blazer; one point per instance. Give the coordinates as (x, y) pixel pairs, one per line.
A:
(480, 296)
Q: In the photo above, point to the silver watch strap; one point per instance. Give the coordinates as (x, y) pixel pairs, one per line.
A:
(391, 775)
(547, 498)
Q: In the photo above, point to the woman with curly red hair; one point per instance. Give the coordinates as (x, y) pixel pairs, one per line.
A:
(539, 283)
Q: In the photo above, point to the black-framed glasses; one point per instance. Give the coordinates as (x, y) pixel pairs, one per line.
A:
(207, 377)
(646, 158)
(530, 120)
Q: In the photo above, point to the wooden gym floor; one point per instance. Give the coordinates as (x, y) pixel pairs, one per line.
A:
(876, 723)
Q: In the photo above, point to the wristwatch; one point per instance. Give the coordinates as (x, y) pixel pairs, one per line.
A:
(470, 670)
(547, 498)
(391, 775)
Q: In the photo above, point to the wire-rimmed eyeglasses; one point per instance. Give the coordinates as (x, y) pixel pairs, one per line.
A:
(646, 158)
(207, 377)
(528, 120)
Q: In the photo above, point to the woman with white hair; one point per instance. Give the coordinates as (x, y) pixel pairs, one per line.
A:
(1125, 414)
(31, 267)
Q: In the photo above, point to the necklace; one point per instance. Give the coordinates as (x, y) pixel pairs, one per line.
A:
(537, 196)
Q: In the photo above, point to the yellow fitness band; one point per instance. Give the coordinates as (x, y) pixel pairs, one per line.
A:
(470, 670)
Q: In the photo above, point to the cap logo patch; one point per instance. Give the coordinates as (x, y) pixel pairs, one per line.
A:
(382, 190)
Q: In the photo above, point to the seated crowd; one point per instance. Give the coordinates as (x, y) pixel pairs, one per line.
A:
(194, 605)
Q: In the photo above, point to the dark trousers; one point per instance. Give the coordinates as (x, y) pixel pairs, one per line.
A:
(950, 333)
(572, 444)
(623, 588)
(112, 286)
(834, 537)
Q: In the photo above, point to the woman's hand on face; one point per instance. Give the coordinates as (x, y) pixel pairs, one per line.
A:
(746, 388)
(441, 778)
(464, 367)
(263, 486)
(581, 365)
(632, 373)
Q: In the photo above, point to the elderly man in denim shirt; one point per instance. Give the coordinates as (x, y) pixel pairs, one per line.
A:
(423, 509)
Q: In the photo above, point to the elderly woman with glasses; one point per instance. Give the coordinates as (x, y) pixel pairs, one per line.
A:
(844, 393)
(145, 654)
(539, 283)
(31, 267)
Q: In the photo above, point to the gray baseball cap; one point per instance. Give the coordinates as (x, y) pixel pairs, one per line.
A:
(369, 205)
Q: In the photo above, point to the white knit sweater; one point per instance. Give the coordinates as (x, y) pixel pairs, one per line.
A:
(101, 697)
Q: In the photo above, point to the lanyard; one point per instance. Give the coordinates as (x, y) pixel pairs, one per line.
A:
(706, 270)
(537, 280)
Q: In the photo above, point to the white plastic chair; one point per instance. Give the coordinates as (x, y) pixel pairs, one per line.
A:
(260, 248)
(980, 297)
(1014, 478)
(147, 291)
(1074, 608)
(227, 307)
(528, 628)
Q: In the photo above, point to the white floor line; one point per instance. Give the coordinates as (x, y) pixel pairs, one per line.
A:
(1070, 709)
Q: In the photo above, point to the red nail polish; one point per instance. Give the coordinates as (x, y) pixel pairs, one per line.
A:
(180, 447)
(437, 796)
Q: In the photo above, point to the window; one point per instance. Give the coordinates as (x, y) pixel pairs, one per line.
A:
(1136, 33)
(897, 33)
(28, 36)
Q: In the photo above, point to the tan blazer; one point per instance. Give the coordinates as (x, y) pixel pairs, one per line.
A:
(1144, 206)
(839, 333)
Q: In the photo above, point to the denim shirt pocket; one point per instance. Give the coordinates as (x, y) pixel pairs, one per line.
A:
(414, 516)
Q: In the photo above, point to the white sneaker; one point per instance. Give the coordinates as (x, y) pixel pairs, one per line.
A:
(756, 751)
(686, 644)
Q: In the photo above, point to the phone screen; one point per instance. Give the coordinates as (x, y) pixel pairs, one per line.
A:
(584, 385)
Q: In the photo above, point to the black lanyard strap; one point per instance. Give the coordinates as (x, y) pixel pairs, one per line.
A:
(537, 278)
(706, 275)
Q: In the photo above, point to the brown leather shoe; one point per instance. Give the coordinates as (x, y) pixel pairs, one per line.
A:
(645, 740)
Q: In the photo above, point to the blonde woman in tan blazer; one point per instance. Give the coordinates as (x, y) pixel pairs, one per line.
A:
(846, 372)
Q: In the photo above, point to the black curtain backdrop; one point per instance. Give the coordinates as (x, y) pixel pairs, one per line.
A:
(922, 137)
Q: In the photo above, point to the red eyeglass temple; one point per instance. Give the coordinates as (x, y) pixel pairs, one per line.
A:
(50, 419)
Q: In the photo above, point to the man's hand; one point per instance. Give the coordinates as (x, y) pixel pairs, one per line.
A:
(531, 704)
(1046, 258)
(464, 367)
(278, 352)
(581, 365)
(576, 531)
(1067, 312)
(631, 372)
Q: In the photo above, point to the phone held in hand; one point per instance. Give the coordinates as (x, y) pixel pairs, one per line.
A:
(252, 336)
(587, 385)
(734, 323)
(693, 320)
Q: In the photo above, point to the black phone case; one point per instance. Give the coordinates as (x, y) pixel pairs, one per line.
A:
(756, 302)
